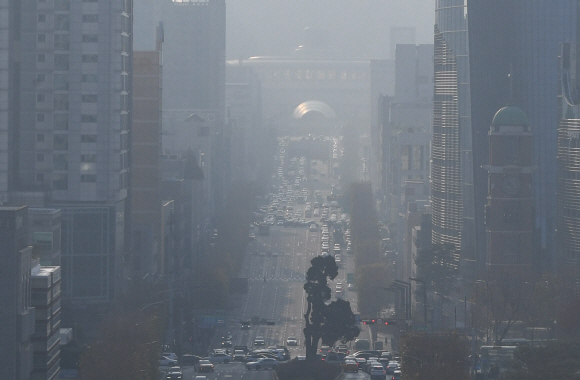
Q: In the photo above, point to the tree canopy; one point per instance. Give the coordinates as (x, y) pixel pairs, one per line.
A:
(327, 322)
(554, 361)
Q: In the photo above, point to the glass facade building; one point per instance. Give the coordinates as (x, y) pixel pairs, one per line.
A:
(513, 48)
(569, 161)
(451, 171)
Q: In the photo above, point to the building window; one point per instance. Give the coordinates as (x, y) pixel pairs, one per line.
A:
(89, 178)
(40, 117)
(88, 158)
(90, 58)
(41, 38)
(90, 78)
(40, 58)
(61, 62)
(90, 1)
(61, 82)
(61, 22)
(60, 181)
(61, 42)
(39, 157)
(60, 122)
(40, 78)
(39, 98)
(39, 177)
(89, 98)
(90, 38)
(62, 5)
(61, 102)
(39, 137)
(89, 118)
(60, 142)
(60, 161)
(90, 18)
(88, 138)
(41, 17)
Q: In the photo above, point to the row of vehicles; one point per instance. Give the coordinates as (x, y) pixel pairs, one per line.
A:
(380, 365)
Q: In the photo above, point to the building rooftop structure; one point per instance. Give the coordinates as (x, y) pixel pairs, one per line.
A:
(510, 116)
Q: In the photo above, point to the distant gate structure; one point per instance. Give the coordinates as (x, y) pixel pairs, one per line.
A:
(314, 106)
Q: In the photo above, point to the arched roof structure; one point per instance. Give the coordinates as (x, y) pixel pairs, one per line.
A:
(316, 106)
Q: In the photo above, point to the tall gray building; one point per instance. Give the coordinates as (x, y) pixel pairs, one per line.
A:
(16, 314)
(193, 81)
(65, 128)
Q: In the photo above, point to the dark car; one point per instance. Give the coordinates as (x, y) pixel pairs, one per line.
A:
(226, 343)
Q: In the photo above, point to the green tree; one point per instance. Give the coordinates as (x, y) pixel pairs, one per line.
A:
(440, 356)
(326, 322)
(554, 361)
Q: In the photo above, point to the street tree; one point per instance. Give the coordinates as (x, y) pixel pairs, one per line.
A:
(558, 360)
(325, 321)
(436, 356)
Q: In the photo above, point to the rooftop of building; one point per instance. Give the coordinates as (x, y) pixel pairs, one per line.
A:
(510, 116)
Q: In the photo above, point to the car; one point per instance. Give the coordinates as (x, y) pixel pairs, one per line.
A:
(257, 356)
(350, 366)
(378, 372)
(174, 373)
(392, 367)
(292, 341)
(226, 343)
(343, 349)
(170, 355)
(205, 366)
(362, 362)
(396, 375)
(259, 341)
(351, 287)
(264, 363)
(300, 357)
(167, 362)
(245, 325)
(220, 357)
(239, 355)
(200, 378)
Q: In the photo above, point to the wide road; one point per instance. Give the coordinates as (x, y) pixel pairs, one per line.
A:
(280, 298)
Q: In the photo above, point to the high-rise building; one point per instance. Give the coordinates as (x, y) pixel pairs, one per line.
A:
(451, 173)
(145, 197)
(16, 314)
(506, 54)
(65, 129)
(45, 294)
(569, 161)
(193, 81)
(513, 49)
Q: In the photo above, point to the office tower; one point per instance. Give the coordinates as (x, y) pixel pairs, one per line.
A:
(66, 128)
(569, 161)
(508, 55)
(451, 173)
(193, 81)
(513, 48)
(45, 294)
(16, 314)
(145, 197)
(44, 234)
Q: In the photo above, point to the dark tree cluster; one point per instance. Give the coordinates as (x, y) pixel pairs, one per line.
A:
(326, 322)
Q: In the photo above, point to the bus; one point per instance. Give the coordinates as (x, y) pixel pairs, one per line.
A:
(496, 356)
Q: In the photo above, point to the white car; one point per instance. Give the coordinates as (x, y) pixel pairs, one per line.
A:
(264, 363)
(292, 341)
(167, 362)
(219, 357)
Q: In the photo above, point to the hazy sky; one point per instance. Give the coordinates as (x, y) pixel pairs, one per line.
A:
(358, 27)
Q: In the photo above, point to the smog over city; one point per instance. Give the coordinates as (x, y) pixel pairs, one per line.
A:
(290, 189)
